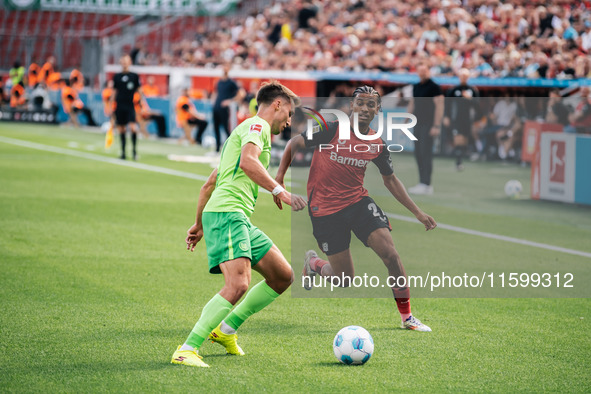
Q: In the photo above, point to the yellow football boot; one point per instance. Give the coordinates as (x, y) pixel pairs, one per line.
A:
(226, 340)
(188, 357)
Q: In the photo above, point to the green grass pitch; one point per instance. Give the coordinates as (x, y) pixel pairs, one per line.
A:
(97, 289)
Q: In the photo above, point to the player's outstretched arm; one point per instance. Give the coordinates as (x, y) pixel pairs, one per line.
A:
(398, 190)
(195, 232)
(291, 148)
(254, 169)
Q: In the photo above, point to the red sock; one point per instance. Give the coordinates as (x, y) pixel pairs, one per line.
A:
(402, 297)
(316, 263)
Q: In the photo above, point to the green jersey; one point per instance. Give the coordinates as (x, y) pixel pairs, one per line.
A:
(234, 190)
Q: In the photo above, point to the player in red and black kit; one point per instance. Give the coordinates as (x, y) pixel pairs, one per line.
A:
(338, 202)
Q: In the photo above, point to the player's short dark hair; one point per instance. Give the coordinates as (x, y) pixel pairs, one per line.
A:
(270, 91)
(366, 89)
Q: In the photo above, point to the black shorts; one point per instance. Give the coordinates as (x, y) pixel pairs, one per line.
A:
(123, 116)
(196, 122)
(333, 232)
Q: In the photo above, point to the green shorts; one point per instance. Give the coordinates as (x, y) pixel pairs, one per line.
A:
(229, 235)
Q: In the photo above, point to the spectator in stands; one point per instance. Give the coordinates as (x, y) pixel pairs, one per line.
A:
(73, 105)
(143, 114)
(585, 40)
(306, 12)
(17, 74)
(339, 35)
(138, 54)
(187, 118)
(33, 75)
(226, 91)
(40, 100)
(427, 105)
(150, 89)
(18, 97)
(461, 112)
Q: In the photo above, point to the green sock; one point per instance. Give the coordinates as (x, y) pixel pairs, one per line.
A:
(256, 299)
(212, 314)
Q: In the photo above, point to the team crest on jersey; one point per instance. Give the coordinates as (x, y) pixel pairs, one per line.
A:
(256, 128)
(243, 246)
(373, 148)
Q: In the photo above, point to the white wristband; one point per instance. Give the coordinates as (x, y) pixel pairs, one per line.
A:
(278, 190)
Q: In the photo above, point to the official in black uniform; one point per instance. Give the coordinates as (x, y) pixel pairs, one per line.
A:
(125, 84)
(429, 110)
(226, 91)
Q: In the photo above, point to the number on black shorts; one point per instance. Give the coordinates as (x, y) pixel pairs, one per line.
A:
(374, 208)
(377, 212)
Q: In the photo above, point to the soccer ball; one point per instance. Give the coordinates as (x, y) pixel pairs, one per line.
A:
(105, 127)
(513, 188)
(353, 345)
(208, 142)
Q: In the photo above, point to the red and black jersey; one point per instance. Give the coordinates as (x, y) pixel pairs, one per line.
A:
(338, 169)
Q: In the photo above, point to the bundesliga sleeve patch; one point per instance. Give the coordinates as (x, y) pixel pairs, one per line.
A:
(256, 128)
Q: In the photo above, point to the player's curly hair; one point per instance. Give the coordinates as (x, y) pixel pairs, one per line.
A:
(366, 89)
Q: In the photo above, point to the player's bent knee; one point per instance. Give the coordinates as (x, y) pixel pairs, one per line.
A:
(234, 291)
(239, 285)
(390, 256)
(282, 281)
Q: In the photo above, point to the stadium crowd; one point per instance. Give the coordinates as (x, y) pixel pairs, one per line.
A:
(491, 38)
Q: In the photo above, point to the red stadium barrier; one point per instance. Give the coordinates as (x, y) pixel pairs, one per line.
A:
(531, 138)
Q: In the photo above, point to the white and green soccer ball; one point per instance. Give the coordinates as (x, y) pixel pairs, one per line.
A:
(353, 345)
(513, 188)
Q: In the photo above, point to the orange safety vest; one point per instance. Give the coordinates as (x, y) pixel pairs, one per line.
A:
(151, 90)
(77, 79)
(17, 96)
(33, 75)
(70, 99)
(46, 71)
(53, 81)
(183, 115)
(107, 94)
(140, 106)
(197, 94)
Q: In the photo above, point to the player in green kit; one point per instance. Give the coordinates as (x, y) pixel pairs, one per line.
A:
(234, 245)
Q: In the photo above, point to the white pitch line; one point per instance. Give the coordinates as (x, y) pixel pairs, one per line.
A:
(104, 159)
(495, 236)
(167, 171)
